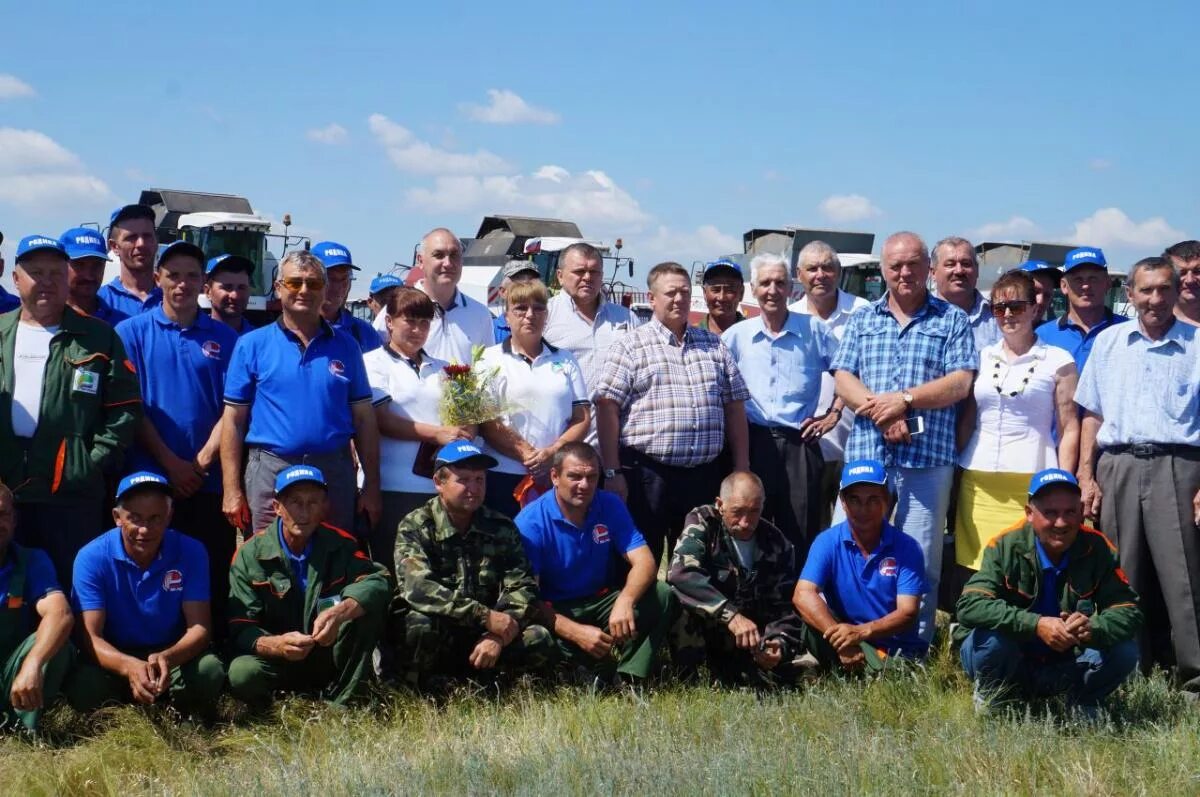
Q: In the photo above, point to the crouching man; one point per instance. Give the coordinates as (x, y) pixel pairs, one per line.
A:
(1049, 611)
(734, 573)
(142, 593)
(861, 587)
(306, 606)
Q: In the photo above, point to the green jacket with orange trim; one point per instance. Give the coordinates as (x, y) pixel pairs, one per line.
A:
(91, 403)
(1003, 594)
(265, 599)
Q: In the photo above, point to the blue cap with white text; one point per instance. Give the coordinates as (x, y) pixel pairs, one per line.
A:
(461, 452)
(1050, 477)
(39, 243)
(298, 474)
(333, 254)
(723, 266)
(81, 242)
(143, 478)
(1084, 256)
(863, 471)
(384, 282)
(1034, 266)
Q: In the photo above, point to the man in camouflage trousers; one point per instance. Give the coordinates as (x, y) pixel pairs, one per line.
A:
(464, 586)
(734, 574)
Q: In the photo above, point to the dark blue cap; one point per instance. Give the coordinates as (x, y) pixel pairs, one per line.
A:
(1034, 266)
(723, 266)
(229, 263)
(40, 243)
(81, 242)
(1050, 477)
(385, 282)
(333, 254)
(297, 474)
(462, 451)
(180, 248)
(131, 212)
(143, 478)
(1085, 256)
(863, 471)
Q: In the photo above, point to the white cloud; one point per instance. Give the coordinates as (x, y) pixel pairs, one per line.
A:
(1099, 164)
(508, 108)
(29, 150)
(410, 154)
(706, 242)
(1016, 228)
(333, 133)
(1112, 227)
(37, 170)
(848, 207)
(47, 189)
(12, 88)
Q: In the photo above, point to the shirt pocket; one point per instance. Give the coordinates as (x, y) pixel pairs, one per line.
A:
(930, 354)
(1181, 394)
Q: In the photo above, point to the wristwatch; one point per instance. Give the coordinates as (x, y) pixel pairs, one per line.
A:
(908, 398)
(610, 473)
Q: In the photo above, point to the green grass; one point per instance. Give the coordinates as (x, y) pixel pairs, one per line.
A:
(910, 732)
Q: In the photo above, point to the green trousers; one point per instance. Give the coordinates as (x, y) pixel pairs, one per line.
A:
(827, 657)
(53, 673)
(333, 673)
(193, 687)
(434, 647)
(653, 615)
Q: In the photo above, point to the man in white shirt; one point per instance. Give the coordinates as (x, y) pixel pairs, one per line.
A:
(460, 323)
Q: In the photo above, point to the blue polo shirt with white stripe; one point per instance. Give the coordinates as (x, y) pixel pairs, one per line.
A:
(365, 335)
(143, 608)
(299, 398)
(122, 302)
(182, 374)
(571, 561)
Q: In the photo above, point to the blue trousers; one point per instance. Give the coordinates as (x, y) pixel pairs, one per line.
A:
(999, 663)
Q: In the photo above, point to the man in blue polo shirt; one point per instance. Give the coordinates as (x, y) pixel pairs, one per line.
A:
(296, 393)
(573, 536)
(1085, 283)
(860, 590)
(89, 256)
(141, 593)
(181, 356)
(339, 273)
(132, 236)
(227, 286)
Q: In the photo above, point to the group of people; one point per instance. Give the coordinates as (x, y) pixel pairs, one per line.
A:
(799, 469)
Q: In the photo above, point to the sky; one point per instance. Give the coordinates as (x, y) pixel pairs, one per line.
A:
(674, 126)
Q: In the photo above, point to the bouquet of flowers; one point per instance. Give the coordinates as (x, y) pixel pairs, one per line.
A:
(467, 395)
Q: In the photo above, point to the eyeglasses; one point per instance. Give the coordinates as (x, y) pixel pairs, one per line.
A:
(1016, 307)
(527, 309)
(295, 284)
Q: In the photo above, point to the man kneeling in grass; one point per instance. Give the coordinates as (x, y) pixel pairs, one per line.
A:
(1049, 611)
(860, 590)
(306, 605)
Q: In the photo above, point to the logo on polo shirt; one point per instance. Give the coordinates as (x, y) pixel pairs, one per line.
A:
(172, 581)
(887, 567)
(211, 349)
(600, 534)
(338, 369)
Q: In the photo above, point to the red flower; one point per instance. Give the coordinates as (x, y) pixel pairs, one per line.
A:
(453, 371)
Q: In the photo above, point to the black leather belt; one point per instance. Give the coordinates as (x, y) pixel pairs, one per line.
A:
(1147, 450)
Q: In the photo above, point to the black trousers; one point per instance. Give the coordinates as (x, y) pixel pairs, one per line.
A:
(200, 517)
(61, 529)
(791, 471)
(660, 496)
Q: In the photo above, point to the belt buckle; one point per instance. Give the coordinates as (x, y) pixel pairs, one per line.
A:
(1143, 450)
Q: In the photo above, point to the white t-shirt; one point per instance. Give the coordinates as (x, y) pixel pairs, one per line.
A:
(380, 324)
(1013, 434)
(833, 445)
(31, 351)
(453, 332)
(540, 395)
(408, 394)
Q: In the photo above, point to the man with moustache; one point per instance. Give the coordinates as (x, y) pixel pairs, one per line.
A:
(89, 256)
(724, 287)
(1085, 283)
(227, 286)
(339, 272)
(132, 235)
(955, 275)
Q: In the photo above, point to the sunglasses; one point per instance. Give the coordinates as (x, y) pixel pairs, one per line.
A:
(296, 284)
(1015, 307)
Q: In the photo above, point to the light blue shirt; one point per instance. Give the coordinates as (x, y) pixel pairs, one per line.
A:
(783, 373)
(1146, 390)
(983, 323)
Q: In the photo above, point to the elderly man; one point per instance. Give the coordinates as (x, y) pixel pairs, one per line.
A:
(514, 271)
(296, 392)
(89, 256)
(1049, 611)
(820, 271)
(1140, 455)
(573, 535)
(378, 294)
(1085, 283)
(141, 593)
(227, 286)
(955, 275)
(667, 398)
(1185, 257)
(782, 356)
(339, 275)
(903, 365)
(132, 235)
(69, 404)
(306, 605)
(464, 588)
(733, 573)
(461, 322)
(724, 286)
(1047, 278)
(860, 589)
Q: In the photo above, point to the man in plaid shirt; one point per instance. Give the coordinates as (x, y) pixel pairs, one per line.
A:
(909, 355)
(667, 398)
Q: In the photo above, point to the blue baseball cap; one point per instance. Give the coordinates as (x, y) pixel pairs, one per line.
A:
(298, 474)
(229, 263)
(723, 266)
(1034, 266)
(333, 254)
(1084, 256)
(131, 212)
(461, 452)
(40, 243)
(1050, 477)
(180, 248)
(385, 282)
(81, 242)
(143, 478)
(863, 471)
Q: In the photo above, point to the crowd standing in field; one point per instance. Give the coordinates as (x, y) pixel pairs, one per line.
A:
(799, 471)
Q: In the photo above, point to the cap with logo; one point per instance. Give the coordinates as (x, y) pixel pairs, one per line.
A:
(143, 479)
(333, 254)
(723, 267)
(229, 263)
(81, 242)
(1038, 266)
(131, 212)
(39, 243)
(177, 248)
(385, 282)
(298, 474)
(462, 452)
(1051, 477)
(1084, 256)
(514, 267)
(863, 471)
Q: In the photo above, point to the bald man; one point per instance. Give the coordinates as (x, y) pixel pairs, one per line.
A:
(460, 323)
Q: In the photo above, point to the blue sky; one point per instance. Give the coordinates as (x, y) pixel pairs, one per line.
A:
(675, 126)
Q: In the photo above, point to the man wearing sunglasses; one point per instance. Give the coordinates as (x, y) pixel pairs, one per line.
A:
(297, 393)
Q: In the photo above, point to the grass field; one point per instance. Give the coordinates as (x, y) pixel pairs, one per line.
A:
(908, 732)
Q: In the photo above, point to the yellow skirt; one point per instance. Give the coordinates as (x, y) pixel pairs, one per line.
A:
(988, 503)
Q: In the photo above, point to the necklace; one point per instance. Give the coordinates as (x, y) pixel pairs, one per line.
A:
(997, 379)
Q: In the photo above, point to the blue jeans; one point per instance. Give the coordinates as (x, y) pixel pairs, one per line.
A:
(1000, 663)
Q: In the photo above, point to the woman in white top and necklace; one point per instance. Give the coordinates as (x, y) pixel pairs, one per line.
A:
(1025, 420)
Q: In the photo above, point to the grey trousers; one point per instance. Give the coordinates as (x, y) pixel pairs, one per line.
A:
(1147, 511)
(338, 468)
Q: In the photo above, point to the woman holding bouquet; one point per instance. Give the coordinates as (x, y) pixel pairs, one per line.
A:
(543, 396)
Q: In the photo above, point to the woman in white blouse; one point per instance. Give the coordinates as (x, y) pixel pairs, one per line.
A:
(1024, 416)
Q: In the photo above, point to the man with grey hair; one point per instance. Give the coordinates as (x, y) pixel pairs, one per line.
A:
(819, 270)
(955, 275)
(782, 356)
